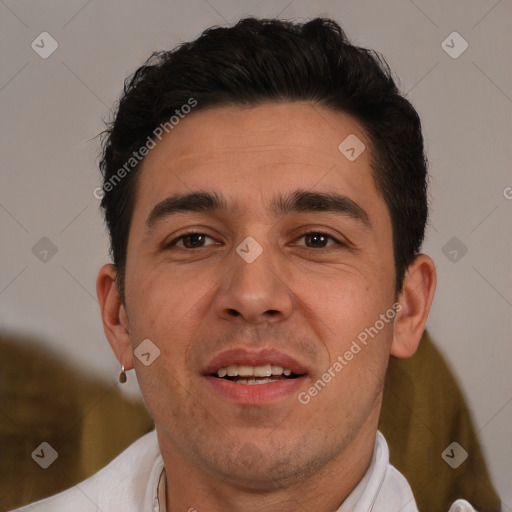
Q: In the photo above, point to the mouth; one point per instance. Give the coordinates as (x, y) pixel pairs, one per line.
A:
(252, 377)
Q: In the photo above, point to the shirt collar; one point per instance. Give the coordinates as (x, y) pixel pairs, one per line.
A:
(365, 493)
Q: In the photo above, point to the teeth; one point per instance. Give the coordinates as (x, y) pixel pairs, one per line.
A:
(277, 370)
(256, 381)
(245, 371)
(253, 371)
(263, 371)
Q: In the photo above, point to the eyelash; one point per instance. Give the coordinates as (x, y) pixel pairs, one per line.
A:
(321, 233)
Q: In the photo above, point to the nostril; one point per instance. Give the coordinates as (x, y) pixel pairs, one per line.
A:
(233, 312)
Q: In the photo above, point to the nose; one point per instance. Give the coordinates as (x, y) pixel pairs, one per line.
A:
(255, 292)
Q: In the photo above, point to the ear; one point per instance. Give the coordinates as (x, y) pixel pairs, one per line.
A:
(114, 316)
(415, 300)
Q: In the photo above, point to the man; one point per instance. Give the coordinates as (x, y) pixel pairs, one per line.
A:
(265, 192)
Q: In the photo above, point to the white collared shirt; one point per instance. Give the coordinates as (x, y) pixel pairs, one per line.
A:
(135, 480)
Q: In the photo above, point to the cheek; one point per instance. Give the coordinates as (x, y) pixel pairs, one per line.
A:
(341, 306)
(346, 315)
(168, 313)
(165, 300)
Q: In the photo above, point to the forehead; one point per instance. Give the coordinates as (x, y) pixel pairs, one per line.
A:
(254, 151)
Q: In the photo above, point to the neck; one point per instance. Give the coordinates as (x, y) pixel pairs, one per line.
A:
(191, 488)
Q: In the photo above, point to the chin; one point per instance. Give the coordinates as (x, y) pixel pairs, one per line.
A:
(253, 468)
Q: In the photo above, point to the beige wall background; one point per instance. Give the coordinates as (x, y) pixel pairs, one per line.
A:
(53, 239)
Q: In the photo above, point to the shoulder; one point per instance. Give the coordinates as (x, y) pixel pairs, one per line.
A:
(461, 506)
(394, 491)
(121, 485)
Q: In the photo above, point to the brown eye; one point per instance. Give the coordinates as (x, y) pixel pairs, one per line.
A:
(317, 240)
(191, 241)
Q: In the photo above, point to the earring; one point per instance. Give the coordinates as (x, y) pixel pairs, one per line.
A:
(122, 375)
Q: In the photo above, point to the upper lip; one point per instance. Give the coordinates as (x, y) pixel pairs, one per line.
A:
(242, 356)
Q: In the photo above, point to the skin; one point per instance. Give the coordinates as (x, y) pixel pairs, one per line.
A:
(306, 297)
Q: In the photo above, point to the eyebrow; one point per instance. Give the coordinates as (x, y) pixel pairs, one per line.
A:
(330, 202)
(182, 203)
(295, 202)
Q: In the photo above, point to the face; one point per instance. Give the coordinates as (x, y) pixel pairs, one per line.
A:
(281, 263)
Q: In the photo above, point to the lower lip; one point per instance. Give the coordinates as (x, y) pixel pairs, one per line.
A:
(255, 393)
